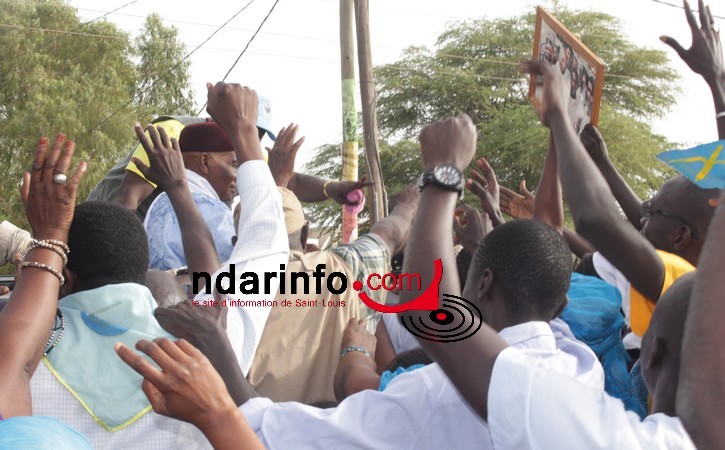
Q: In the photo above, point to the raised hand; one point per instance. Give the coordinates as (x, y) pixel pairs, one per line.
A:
(232, 105)
(554, 98)
(338, 190)
(166, 165)
(282, 154)
(485, 186)
(516, 205)
(48, 193)
(705, 55)
(193, 323)
(468, 224)
(451, 141)
(594, 143)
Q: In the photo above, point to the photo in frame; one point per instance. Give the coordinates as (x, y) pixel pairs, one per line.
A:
(582, 70)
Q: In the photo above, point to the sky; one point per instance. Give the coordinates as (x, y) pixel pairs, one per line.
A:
(295, 58)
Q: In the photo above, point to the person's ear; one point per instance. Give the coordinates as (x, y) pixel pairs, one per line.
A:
(485, 287)
(71, 283)
(204, 161)
(561, 308)
(683, 236)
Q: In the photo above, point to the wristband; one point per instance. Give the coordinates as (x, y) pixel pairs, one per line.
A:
(354, 348)
(324, 188)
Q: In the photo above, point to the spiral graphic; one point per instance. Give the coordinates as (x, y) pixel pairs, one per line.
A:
(438, 327)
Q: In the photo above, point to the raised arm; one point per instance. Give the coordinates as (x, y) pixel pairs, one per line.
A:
(452, 142)
(597, 149)
(395, 228)
(548, 207)
(705, 57)
(590, 199)
(700, 396)
(27, 319)
(167, 170)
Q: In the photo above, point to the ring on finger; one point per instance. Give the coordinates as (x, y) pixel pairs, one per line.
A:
(60, 178)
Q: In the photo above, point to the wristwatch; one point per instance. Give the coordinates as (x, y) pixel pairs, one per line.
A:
(445, 176)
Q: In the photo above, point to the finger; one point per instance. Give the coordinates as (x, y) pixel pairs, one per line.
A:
(479, 178)
(175, 145)
(476, 187)
(25, 187)
(52, 159)
(145, 143)
(66, 155)
(172, 350)
(154, 135)
(488, 173)
(41, 152)
(189, 349)
(296, 146)
(139, 364)
(523, 190)
(164, 138)
(210, 92)
(268, 149)
(690, 18)
(75, 180)
(156, 398)
(506, 194)
(142, 167)
(704, 21)
(155, 352)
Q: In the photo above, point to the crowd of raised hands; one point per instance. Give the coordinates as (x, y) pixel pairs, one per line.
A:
(185, 385)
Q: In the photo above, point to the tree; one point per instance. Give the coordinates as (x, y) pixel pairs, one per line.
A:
(164, 83)
(58, 75)
(474, 69)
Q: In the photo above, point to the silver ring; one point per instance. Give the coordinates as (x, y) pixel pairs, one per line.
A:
(60, 178)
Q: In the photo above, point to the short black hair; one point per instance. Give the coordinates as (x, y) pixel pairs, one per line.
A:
(531, 265)
(108, 245)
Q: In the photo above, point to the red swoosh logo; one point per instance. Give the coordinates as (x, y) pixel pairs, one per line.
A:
(427, 301)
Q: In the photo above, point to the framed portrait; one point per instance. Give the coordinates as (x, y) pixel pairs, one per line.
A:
(582, 70)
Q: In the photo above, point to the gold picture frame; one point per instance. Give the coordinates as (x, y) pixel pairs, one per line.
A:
(554, 43)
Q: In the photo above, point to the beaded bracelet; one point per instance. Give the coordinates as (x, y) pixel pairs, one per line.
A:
(60, 244)
(46, 267)
(354, 348)
(48, 245)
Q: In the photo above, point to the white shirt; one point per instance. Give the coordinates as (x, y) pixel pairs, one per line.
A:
(419, 409)
(262, 245)
(531, 406)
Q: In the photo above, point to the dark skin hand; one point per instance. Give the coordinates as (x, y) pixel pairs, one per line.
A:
(468, 224)
(485, 186)
(705, 56)
(282, 155)
(629, 201)
(518, 206)
(356, 371)
(204, 327)
(28, 316)
(589, 197)
(167, 170)
(188, 388)
(450, 141)
(309, 189)
(700, 396)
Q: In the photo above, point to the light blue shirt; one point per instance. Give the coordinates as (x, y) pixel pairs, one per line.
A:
(166, 250)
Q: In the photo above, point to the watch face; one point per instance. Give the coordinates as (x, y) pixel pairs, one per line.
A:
(447, 175)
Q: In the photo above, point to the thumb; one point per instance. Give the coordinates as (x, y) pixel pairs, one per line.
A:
(523, 190)
(674, 44)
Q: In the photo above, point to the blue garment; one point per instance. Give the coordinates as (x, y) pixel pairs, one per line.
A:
(639, 391)
(40, 433)
(388, 376)
(166, 250)
(595, 317)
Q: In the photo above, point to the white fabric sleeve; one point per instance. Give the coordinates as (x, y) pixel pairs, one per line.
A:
(13, 241)
(529, 407)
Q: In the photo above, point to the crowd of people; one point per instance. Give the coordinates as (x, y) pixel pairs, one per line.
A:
(602, 336)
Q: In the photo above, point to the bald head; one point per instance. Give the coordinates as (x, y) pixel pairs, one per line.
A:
(690, 201)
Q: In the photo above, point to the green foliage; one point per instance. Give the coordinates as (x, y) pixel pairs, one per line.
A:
(474, 69)
(63, 81)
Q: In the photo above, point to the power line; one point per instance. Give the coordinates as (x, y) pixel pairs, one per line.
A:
(72, 31)
(661, 2)
(244, 49)
(188, 55)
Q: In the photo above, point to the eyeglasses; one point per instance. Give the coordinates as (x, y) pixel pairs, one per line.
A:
(647, 211)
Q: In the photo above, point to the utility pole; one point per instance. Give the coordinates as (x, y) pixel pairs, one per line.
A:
(349, 114)
(379, 207)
